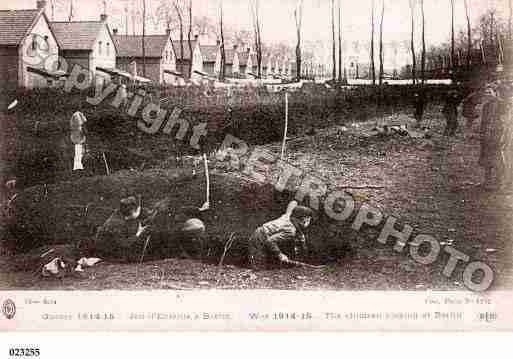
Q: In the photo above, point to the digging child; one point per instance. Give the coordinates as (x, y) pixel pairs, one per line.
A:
(131, 234)
(269, 243)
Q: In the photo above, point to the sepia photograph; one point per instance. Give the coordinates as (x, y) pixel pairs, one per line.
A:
(239, 146)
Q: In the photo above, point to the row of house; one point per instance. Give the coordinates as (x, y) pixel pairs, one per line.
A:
(29, 42)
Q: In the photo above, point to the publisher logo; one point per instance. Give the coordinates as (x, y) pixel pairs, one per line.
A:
(9, 308)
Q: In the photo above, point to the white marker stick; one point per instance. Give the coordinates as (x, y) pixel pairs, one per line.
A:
(106, 164)
(286, 126)
(206, 205)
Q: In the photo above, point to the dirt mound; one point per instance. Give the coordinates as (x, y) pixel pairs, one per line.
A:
(69, 212)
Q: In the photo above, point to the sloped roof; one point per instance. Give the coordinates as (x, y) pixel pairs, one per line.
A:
(76, 35)
(15, 24)
(186, 52)
(209, 52)
(131, 45)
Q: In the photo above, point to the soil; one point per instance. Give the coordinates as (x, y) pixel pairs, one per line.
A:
(432, 184)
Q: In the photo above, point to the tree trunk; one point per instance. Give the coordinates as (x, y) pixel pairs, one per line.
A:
(339, 44)
(133, 21)
(189, 34)
(469, 35)
(180, 23)
(126, 20)
(412, 44)
(453, 54)
(381, 59)
(144, 38)
(510, 20)
(423, 57)
(298, 14)
(222, 70)
(334, 54)
(372, 65)
(258, 39)
(70, 16)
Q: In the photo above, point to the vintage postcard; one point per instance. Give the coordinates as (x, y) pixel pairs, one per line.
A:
(256, 165)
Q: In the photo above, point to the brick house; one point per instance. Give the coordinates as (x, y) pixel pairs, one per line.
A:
(26, 41)
(86, 43)
(232, 65)
(211, 55)
(246, 62)
(159, 57)
(184, 61)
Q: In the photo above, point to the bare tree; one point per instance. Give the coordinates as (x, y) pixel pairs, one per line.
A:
(339, 43)
(71, 14)
(469, 35)
(144, 38)
(179, 14)
(423, 56)
(134, 14)
(298, 16)
(381, 58)
(189, 34)
(334, 55)
(52, 7)
(492, 23)
(205, 25)
(222, 70)
(372, 64)
(412, 43)
(125, 9)
(453, 55)
(255, 14)
(510, 20)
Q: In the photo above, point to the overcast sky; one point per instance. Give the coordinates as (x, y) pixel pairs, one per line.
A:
(278, 20)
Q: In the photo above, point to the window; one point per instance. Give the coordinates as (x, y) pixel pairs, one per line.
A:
(108, 49)
(34, 42)
(99, 47)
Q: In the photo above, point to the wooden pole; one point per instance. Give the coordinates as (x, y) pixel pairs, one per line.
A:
(286, 126)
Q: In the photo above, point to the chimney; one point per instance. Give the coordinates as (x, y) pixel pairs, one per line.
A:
(115, 31)
(103, 17)
(41, 4)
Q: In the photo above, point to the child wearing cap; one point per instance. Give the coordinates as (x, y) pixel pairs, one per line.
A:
(120, 236)
(125, 235)
(284, 234)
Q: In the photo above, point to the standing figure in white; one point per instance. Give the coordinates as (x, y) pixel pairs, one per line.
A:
(78, 138)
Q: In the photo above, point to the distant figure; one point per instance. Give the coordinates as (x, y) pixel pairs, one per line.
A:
(420, 105)
(123, 94)
(450, 112)
(491, 133)
(273, 239)
(470, 112)
(78, 138)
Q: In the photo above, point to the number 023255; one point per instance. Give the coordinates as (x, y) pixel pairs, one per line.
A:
(23, 352)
